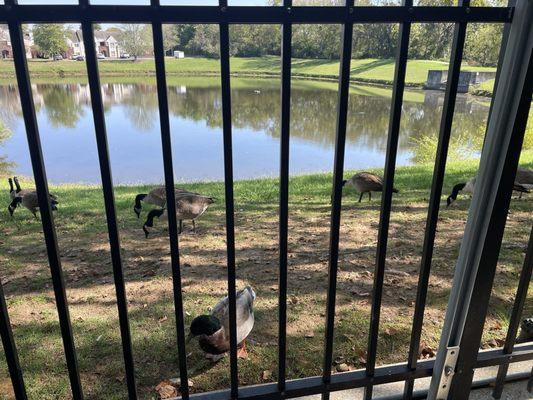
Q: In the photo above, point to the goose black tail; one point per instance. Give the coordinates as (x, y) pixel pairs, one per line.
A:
(520, 188)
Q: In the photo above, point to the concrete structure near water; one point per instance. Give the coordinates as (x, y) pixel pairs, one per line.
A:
(437, 79)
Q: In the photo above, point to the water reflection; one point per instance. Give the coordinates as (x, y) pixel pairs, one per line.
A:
(66, 125)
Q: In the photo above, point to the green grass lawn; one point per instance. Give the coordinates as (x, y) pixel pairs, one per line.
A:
(367, 70)
(82, 236)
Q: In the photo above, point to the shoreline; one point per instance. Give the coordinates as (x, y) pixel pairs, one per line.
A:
(364, 71)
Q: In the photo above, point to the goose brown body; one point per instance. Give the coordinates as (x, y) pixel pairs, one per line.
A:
(157, 197)
(29, 199)
(189, 206)
(366, 182)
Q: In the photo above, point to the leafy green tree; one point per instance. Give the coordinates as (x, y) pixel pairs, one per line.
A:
(255, 40)
(49, 38)
(185, 34)
(136, 39)
(170, 37)
(205, 41)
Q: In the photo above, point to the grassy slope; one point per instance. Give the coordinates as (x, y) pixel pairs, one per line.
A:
(369, 70)
(82, 237)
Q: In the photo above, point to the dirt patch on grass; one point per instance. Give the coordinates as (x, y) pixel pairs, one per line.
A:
(146, 265)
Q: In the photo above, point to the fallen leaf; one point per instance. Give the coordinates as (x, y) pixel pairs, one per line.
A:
(177, 382)
(361, 294)
(310, 335)
(163, 319)
(266, 375)
(166, 390)
(426, 351)
(391, 331)
(343, 367)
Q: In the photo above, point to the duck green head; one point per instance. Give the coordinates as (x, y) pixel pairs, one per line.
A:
(204, 325)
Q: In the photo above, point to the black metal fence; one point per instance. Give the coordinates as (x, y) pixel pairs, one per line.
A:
(286, 15)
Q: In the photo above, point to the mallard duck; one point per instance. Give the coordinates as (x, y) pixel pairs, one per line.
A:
(212, 330)
(526, 331)
(366, 182)
(156, 196)
(188, 206)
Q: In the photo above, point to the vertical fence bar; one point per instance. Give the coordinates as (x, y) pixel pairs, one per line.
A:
(474, 320)
(435, 196)
(166, 140)
(109, 200)
(481, 242)
(518, 306)
(286, 50)
(228, 186)
(10, 350)
(386, 199)
(41, 183)
(338, 171)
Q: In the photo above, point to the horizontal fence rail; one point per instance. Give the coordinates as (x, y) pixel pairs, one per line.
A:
(286, 15)
(252, 14)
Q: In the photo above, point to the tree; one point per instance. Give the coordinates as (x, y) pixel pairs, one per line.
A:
(205, 41)
(185, 34)
(136, 38)
(49, 38)
(170, 37)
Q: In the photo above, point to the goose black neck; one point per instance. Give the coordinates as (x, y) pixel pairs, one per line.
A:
(456, 189)
(138, 199)
(16, 201)
(17, 184)
(11, 188)
(151, 215)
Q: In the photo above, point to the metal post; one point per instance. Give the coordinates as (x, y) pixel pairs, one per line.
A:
(514, 322)
(338, 172)
(47, 219)
(286, 50)
(109, 202)
(164, 120)
(486, 220)
(228, 191)
(10, 350)
(386, 199)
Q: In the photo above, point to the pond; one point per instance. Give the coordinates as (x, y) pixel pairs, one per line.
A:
(132, 118)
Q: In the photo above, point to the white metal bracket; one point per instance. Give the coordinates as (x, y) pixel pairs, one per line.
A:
(452, 353)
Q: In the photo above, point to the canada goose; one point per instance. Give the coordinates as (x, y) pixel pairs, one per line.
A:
(366, 182)
(188, 206)
(212, 330)
(468, 187)
(31, 202)
(156, 196)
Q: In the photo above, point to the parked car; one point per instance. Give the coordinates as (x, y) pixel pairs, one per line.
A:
(58, 57)
(101, 56)
(79, 58)
(125, 55)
